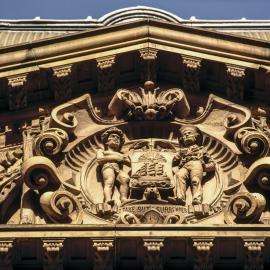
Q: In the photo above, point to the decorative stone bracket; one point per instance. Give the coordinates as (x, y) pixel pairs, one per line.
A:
(235, 82)
(254, 248)
(148, 64)
(103, 259)
(61, 82)
(191, 73)
(6, 247)
(53, 254)
(153, 258)
(17, 92)
(106, 76)
(203, 250)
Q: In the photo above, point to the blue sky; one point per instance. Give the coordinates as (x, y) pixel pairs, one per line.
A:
(80, 9)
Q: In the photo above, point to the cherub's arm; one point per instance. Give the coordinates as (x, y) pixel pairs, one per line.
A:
(209, 163)
(176, 159)
(105, 156)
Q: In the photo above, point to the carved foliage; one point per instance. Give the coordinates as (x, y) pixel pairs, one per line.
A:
(10, 171)
(150, 104)
(103, 259)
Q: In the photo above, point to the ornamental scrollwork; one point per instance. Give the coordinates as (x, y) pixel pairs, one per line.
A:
(150, 160)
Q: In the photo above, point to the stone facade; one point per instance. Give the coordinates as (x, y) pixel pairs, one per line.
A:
(127, 159)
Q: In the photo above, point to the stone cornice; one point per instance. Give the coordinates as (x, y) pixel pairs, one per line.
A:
(132, 36)
(111, 231)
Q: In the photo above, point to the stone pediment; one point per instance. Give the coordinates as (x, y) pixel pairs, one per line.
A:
(150, 161)
(131, 36)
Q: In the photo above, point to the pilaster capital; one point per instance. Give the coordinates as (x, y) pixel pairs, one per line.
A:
(236, 71)
(17, 80)
(106, 62)
(148, 53)
(62, 71)
(203, 244)
(103, 244)
(191, 62)
(153, 245)
(6, 245)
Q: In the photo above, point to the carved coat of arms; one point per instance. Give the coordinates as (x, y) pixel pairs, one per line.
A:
(154, 162)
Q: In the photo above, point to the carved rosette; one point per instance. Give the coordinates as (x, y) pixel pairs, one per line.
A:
(51, 142)
(61, 82)
(254, 254)
(191, 73)
(148, 64)
(6, 259)
(153, 256)
(103, 254)
(53, 254)
(106, 73)
(235, 82)
(203, 254)
(244, 208)
(17, 92)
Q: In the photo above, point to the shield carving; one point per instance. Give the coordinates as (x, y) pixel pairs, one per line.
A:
(151, 165)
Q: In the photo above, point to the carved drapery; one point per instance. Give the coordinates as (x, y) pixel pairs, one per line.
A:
(235, 82)
(191, 73)
(149, 65)
(106, 73)
(61, 82)
(17, 92)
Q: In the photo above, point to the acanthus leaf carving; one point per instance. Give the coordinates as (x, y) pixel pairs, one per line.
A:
(150, 104)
